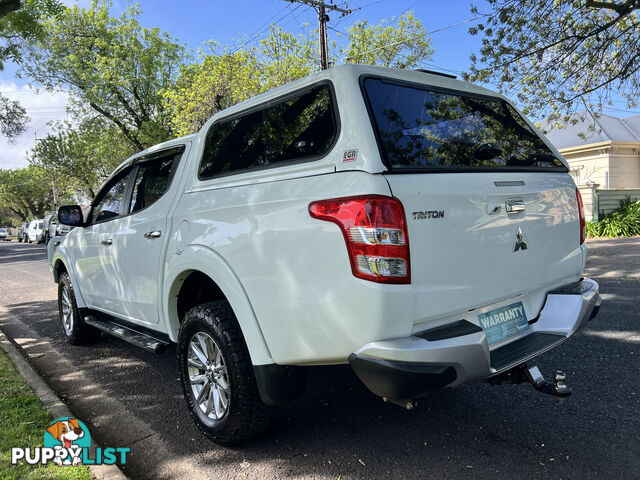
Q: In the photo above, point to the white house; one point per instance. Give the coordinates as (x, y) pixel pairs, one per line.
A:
(604, 155)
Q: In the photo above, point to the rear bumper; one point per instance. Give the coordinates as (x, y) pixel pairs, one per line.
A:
(409, 367)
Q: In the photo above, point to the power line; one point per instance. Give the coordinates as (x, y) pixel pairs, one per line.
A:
(408, 8)
(420, 35)
(371, 3)
(243, 44)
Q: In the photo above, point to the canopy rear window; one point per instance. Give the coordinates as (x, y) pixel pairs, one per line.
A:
(420, 128)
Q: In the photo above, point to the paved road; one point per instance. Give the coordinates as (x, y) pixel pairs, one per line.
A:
(132, 398)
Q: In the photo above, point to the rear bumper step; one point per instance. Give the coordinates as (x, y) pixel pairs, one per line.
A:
(425, 360)
(127, 334)
(534, 344)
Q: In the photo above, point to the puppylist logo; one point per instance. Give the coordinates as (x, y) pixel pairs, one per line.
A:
(66, 443)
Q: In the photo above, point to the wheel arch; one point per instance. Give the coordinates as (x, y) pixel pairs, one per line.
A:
(59, 264)
(197, 265)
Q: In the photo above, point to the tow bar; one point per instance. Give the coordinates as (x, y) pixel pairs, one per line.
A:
(522, 373)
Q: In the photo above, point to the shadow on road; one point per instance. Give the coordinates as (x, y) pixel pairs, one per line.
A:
(20, 252)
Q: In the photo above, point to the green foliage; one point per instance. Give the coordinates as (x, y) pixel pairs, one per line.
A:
(213, 85)
(13, 118)
(623, 222)
(561, 56)
(26, 192)
(83, 156)
(404, 45)
(111, 66)
(220, 80)
(24, 420)
(16, 28)
(25, 24)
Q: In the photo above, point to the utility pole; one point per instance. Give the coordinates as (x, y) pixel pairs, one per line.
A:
(323, 18)
(53, 183)
(55, 199)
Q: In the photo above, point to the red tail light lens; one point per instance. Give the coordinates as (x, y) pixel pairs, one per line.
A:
(583, 228)
(375, 231)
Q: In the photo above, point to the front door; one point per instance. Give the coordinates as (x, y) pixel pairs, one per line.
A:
(96, 245)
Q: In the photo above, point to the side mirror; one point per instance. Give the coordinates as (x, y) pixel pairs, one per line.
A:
(71, 215)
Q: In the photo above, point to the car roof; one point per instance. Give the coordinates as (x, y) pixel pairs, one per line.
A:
(342, 72)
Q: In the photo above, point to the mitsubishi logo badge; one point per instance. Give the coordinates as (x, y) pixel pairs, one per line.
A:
(520, 243)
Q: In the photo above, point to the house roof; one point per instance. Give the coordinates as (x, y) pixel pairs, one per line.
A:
(596, 129)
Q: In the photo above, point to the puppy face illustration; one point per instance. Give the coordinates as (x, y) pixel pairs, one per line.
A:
(66, 431)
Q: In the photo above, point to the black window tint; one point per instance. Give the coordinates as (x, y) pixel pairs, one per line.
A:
(421, 128)
(110, 202)
(303, 126)
(152, 181)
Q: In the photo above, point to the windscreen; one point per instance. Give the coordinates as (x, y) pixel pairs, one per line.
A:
(420, 128)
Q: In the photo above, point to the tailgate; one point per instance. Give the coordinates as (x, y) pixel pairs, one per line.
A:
(468, 252)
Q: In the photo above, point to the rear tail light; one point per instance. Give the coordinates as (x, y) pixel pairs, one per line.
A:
(583, 228)
(375, 231)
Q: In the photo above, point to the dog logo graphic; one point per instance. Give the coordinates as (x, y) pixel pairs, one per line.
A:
(68, 437)
(67, 443)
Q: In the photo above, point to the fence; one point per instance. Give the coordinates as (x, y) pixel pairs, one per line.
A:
(604, 201)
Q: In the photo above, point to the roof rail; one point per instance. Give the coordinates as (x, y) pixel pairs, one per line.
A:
(433, 72)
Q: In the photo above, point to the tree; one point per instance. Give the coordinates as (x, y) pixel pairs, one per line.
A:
(26, 192)
(13, 118)
(112, 66)
(204, 89)
(561, 56)
(405, 45)
(19, 25)
(220, 80)
(82, 157)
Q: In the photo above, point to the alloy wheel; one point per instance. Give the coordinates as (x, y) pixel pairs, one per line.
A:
(67, 311)
(208, 376)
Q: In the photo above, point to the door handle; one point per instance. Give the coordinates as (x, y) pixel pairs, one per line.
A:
(514, 206)
(154, 234)
(106, 242)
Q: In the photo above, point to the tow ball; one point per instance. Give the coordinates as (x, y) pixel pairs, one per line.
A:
(523, 373)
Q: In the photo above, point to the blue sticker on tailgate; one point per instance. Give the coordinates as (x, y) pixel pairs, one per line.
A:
(503, 322)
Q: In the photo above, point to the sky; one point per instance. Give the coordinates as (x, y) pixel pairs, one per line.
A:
(194, 22)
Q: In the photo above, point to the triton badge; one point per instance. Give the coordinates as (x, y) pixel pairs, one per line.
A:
(520, 243)
(422, 215)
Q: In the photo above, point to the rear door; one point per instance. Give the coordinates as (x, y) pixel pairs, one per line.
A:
(492, 213)
(142, 238)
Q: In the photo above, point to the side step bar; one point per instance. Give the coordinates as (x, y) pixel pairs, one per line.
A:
(127, 334)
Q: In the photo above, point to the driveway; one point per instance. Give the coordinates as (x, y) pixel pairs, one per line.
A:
(132, 398)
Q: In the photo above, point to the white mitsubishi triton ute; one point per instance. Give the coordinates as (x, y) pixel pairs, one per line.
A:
(412, 225)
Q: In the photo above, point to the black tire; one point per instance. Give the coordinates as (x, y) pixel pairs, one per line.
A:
(77, 332)
(246, 416)
(46, 239)
(19, 239)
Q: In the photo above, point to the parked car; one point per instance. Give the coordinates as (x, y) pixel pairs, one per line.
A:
(35, 231)
(4, 234)
(52, 228)
(414, 226)
(22, 231)
(48, 218)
